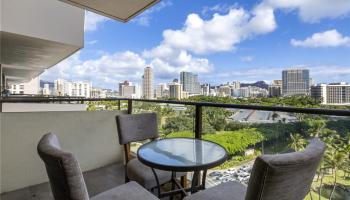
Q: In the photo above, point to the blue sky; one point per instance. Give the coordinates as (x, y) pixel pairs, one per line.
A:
(222, 41)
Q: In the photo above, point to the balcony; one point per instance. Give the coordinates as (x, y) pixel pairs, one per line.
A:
(92, 137)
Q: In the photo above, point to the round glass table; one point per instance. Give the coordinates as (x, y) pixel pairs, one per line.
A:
(182, 155)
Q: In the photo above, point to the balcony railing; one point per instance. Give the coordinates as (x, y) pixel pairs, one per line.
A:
(198, 106)
(197, 111)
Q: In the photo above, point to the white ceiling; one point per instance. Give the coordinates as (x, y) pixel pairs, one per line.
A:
(26, 57)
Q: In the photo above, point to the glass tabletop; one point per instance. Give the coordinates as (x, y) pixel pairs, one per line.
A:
(182, 154)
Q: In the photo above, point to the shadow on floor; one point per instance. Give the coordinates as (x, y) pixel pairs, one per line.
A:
(97, 181)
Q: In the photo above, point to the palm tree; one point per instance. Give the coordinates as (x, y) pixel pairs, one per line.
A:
(297, 142)
(335, 160)
(316, 127)
(335, 156)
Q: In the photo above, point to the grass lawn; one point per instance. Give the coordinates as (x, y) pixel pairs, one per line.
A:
(328, 179)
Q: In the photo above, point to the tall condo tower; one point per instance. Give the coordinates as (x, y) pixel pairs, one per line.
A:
(147, 83)
(190, 82)
(295, 82)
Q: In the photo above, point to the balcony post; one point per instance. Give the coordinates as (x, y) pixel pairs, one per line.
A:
(129, 106)
(119, 104)
(198, 122)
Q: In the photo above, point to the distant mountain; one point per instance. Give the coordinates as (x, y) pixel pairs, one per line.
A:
(51, 84)
(260, 84)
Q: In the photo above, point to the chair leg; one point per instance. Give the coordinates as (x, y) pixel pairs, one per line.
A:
(184, 181)
(126, 176)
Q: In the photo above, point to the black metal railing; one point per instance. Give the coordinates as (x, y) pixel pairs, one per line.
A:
(198, 106)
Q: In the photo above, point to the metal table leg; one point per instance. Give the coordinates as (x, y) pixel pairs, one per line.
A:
(157, 180)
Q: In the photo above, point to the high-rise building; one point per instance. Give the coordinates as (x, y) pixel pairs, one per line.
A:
(147, 83)
(121, 84)
(295, 82)
(129, 91)
(30, 87)
(59, 87)
(205, 89)
(334, 93)
(236, 85)
(175, 90)
(161, 90)
(244, 92)
(275, 89)
(46, 89)
(190, 82)
(75, 89)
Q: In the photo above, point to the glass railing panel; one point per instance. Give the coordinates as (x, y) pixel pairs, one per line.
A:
(103, 105)
(332, 180)
(174, 120)
(248, 133)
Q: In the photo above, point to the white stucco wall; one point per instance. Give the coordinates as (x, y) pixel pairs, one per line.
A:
(41, 107)
(91, 136)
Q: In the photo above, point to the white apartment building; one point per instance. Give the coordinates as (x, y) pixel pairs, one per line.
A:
(31, 87)
(205, 89)
(74, 89)
(129, 91)
(332, 94)
(46, 90)
(224, 91)
(162, 90)
(175, 90)
(236, 85)
(98, 93)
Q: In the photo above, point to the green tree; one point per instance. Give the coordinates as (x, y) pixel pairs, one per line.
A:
(297, 142)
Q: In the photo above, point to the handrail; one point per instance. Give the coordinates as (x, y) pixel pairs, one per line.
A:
(320, 111)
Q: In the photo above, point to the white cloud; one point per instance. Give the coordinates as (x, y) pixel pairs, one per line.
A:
(144, 19)
(166, 69)
(93, 21)
(330, 38)
(247, 59)
(221, 32)
(199, 36)
(313, 10)
(106, 71)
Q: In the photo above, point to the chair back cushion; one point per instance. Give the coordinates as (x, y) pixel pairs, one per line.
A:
(285, 176)
(66, 178)
(137, 127)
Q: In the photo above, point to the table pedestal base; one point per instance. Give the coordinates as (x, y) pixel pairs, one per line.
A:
(195, 186)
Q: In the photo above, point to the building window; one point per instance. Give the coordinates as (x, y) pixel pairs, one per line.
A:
(21, 87)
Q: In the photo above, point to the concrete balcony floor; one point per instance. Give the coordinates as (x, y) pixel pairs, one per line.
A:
(97, 181)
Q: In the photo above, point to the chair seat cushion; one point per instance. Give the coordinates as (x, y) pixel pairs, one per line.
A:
(224, 191)
(128, 191)
(137, 171)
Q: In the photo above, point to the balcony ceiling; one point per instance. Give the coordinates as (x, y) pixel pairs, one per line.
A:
(122, 10)
(24, 57)
(35, 35)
